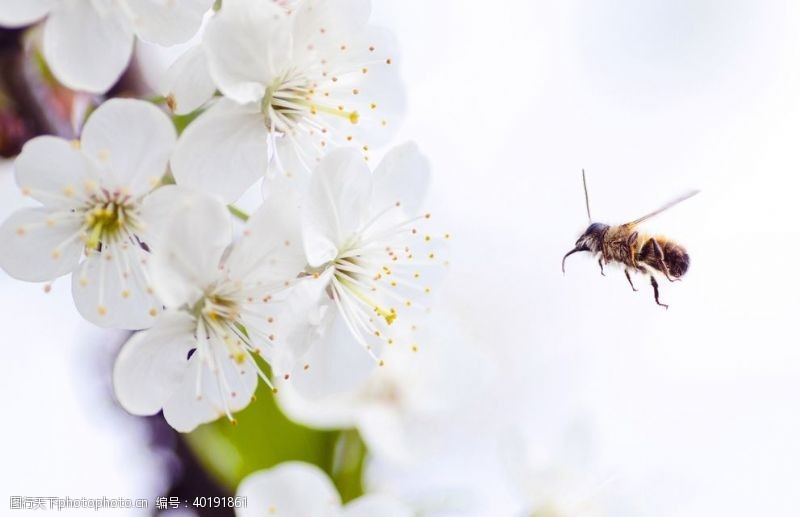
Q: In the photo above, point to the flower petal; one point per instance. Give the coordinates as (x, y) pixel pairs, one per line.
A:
(184, 410)
(270, 252)
(338, 200)
(111, 290)
(248, 45)
(187, 253)
(338, 411)
(187, 84)
(167, 22)
(135, 138)
(293, 161)
(338, 17)
(53, 171)
(304, 318)
(360, 77)
(158, 208)
(336, 362)
(223, 152)
(381, 100)
(36, 245)
(18, 13)
(152, 364)
(403, 176)
(382, 426)
(85, 48)
(376, 505)
(293, 489)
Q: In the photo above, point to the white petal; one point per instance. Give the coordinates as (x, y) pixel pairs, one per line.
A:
(167, 22)
(292, 489)
(187, 84)
(336, 363)
(184, 411)
(223, 152)
(338, 17)
(36, 245)
(87, 49)
(111, 289)
(382, 426)
(271, 250)
(305, 316)
(402, 176)
(158, 208)
(135, 138)
(376, 505)
(17, 13)
(53, 171)
(339, 196)
(293, 161)
(153, 363)
(338, 411)
(381, 101)
(361, 76)
(186, 257)
(248, 45)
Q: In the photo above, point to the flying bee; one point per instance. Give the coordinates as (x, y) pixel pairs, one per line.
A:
(634, 250)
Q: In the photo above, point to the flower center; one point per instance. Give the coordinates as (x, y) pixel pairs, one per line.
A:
(221, 336)
(109, 217)
(289, 104)
(347, 273)
(216, 309)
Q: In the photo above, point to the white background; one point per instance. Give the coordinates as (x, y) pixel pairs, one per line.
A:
(691, 411)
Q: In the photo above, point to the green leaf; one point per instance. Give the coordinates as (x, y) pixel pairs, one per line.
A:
(263, 437)
(181, 121)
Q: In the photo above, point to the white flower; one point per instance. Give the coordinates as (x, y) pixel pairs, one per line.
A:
(91, 221)
(372, 266)
(296, 489)
(396, 407)
(198, 362)
(557, 481)
(88, 43)
(295, 83)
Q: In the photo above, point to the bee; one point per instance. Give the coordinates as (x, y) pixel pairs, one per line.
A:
(634, 250)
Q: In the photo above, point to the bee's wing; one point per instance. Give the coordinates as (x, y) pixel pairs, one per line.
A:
(663, 208)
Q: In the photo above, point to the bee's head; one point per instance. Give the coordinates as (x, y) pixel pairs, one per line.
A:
(590, 240)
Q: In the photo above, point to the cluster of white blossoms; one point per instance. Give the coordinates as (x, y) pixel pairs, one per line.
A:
(295, 82)
(333, 268)
(88, 43)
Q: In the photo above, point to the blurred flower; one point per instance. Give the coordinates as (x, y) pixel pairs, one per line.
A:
(92, 195)
(300, 489)
(371, 269)
(559, 483)
(198, 361)
(295, 83)
(395, 409)
(88, 43)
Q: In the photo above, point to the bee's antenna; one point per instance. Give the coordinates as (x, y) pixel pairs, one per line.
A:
(586, 195)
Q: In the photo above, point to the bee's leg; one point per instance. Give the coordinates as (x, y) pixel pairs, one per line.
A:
(628, 276)
(600, 261)
(655, 291)
(662, 266)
